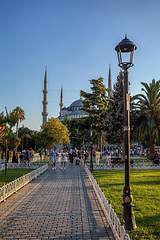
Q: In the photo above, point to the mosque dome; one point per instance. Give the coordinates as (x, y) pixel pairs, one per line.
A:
(76, 105)
(74, 111)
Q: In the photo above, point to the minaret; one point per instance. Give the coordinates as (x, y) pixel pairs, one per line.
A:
(45, 102)
(61, 100)
(109, 82)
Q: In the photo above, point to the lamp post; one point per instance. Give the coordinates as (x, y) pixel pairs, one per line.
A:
(123, 48)
(91, 143)
(85, 130)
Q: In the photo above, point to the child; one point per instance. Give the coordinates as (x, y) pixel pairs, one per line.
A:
(108, 159)
(98, 154)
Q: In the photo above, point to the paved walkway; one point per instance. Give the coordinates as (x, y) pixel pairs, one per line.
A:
(60, 204)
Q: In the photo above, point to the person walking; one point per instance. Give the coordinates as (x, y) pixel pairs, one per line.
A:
(94, 153)
(30, 156)
(64, 156)
(71, 156)
(21, 156)
(74, 154)
(56, 152)
(79, 156)
(14, 158)
(53, 158)
(45, 152)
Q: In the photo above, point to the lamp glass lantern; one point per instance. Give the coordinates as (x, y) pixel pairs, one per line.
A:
(125, 48)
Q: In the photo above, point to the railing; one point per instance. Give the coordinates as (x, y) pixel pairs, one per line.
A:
(19, 165)
(114, 222)
(137, 165)
(18, 183)
(2, 160)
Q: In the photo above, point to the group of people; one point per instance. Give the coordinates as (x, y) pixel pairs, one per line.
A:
(25, 156)
(54, 153)
(97, 155)
(72, 155)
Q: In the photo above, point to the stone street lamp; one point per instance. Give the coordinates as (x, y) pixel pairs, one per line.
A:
(91, 143)
(125, 49)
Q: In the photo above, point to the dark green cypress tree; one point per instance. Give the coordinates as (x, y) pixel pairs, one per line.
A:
(115, 117)
(96, 103)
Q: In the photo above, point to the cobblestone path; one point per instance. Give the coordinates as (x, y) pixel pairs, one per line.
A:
(60, 204)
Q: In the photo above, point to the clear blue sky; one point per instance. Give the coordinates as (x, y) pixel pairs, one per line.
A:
(76, 40)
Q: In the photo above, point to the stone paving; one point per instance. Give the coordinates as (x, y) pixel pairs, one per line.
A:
(59, 204)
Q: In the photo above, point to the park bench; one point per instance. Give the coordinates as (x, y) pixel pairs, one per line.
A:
(118, 160)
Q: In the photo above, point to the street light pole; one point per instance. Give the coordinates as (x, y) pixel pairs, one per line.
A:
(91, 164)
(91, 143)
(85, 146)
(126, 46)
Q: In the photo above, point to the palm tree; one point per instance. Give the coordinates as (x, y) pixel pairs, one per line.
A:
(20, 114)
(11, 118)
(148, 105)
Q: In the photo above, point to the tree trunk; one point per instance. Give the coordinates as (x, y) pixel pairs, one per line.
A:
(118, 148)
(17, 131)
(98, 143)
(152, 145)
(6, 160)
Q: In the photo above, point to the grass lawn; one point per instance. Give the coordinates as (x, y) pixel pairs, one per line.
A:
(12, 174)
(146, 198)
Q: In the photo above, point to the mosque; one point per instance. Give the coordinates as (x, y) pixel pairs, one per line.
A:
(73, 111)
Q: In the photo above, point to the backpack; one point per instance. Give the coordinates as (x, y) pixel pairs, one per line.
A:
(53, 153)
(74, 154)
(56, 152)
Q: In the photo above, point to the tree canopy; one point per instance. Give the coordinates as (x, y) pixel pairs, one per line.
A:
(148, 106)
(80, 131)
(53, 132)
(115, 117)
(96, 103)
(20, 116)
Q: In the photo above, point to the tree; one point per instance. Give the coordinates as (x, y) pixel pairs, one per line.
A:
(115, 117)
(28, 138)
(6, 133)
(53, 132)
(11, 118)
(96, 103)
(20, 115)
(79, 130)
(148, 105)
(2, 126)
(6, 136)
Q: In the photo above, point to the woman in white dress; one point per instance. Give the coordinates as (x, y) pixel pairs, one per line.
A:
(64, 155)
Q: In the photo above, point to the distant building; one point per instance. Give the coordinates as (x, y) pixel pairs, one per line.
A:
(73, 111)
